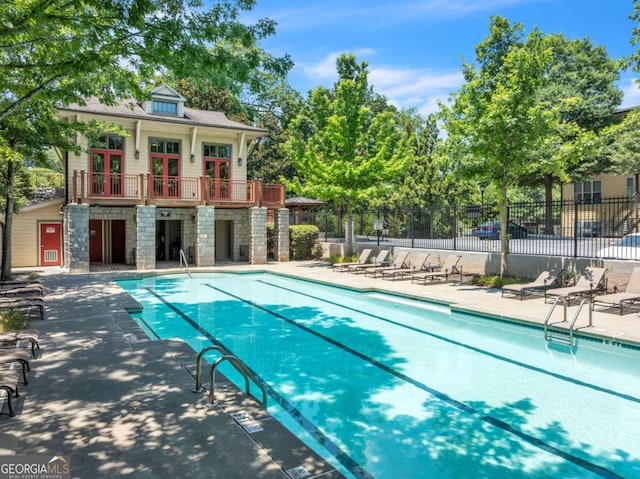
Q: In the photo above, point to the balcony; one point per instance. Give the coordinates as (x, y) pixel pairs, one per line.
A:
(172, 191)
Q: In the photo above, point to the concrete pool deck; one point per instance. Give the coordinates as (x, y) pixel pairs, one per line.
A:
(121, 405)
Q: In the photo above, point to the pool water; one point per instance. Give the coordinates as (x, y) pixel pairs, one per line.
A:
(390, 387)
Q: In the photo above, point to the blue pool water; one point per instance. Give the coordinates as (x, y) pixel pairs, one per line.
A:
(389, 387)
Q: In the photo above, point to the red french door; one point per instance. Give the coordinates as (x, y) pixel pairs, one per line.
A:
(166, 178)
(106, 173)
(218, 170)
(50, 244)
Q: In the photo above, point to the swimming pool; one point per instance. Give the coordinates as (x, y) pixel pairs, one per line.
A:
(389, 387)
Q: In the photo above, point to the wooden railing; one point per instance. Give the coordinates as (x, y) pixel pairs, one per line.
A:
(119, 189)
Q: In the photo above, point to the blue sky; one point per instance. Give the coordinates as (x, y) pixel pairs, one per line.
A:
(414, 48)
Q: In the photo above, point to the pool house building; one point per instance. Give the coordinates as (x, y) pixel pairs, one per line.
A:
(171, 185)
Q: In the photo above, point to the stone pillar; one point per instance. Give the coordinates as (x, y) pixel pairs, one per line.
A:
(205, 236)
(76, 231)
(258, 235)
(281, 235)
(145, 236)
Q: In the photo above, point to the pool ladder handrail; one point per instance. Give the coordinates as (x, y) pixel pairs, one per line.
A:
(549, 334)
(183, 258)
(237, 364)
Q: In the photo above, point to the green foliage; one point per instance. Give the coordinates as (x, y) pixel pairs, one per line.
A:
(303, 240)
(497, 118)
(495, 281)
(344, 152)
(622, 145)
(12, 319)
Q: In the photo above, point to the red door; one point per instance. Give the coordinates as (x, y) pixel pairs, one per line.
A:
(218, 170)
(106, 173)
(117, 241)
(95, 241)
(166, 179)
(50, 244)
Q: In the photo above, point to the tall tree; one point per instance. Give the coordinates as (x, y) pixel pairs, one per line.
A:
(581, 84)
(496, 118)
(344, 153)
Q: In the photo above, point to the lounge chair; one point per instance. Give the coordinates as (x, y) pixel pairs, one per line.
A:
(450, 267)
(362, 259)
(16, 355)
(545, 280)
(9, 387)
(29, 335)
(22, 290)
(378, 262)
(621, 300)
(592, 281)
(398, 262)
(26, 305)
(413, 264)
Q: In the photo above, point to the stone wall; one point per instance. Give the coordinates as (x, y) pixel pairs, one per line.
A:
(205, 236)
(281, 235)
(258, 236)
(146, 237)
(76, 237)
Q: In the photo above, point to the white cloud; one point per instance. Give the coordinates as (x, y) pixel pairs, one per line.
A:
(631, 92)
(404, 87)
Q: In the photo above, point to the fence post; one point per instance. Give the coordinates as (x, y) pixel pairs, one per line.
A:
(412, 227)
(455, 228)
(575, 229)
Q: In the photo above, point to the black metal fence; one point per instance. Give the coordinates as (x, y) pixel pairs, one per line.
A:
(558, 228)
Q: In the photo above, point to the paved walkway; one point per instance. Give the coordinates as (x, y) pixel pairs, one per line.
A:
(121, 405)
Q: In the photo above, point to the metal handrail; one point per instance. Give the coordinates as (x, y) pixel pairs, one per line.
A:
(199, 388)
(242, 369)
(546, 320)
(548, 335)
(184, 258)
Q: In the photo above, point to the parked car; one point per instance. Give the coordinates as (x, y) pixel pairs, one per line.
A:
(491, 230)
(627, 247)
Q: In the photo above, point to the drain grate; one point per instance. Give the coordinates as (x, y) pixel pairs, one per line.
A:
(297, 472)
(247, 422)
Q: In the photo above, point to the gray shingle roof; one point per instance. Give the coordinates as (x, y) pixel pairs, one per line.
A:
(130, 109)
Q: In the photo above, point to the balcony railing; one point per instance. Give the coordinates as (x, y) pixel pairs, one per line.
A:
(103, 188)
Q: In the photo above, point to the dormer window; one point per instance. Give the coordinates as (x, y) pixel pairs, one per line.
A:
(165, 107)
(165, 101)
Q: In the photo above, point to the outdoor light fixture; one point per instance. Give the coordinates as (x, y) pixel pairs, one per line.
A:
(239, 161)
(137, 154)
(193, 157)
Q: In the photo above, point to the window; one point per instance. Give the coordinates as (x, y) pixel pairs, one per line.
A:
(109, 142)
(630, 186)
(217, 151)
(588, 191)
(165, 107)
(164, 146)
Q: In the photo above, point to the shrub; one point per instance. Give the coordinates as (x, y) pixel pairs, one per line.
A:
(303, 240)
(12, 319)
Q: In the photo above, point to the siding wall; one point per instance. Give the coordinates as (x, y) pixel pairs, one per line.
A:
(25, 249)
(165, 131)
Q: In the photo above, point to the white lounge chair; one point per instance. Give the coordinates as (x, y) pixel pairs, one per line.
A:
(624, 299)
(545, 280)
(592, 281)
(362, 259)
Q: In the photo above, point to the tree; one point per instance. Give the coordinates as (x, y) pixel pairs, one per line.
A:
(496, 118)
(60, 50)
(57, 52)
(581, 84)
(342, 152)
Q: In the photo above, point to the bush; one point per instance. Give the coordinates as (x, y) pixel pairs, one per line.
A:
(12, 319)
(303, 240)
